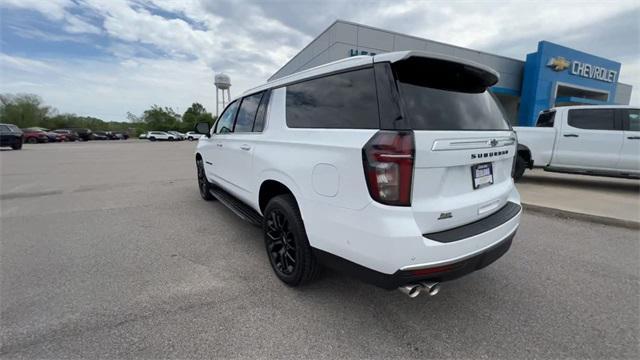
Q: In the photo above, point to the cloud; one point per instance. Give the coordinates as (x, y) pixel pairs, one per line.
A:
(166, 51)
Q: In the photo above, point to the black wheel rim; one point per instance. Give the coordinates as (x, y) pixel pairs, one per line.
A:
(281, 243)
(202, 179)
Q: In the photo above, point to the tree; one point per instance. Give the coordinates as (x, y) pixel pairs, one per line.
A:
(159, 118)
(23, 110)
(195, 113)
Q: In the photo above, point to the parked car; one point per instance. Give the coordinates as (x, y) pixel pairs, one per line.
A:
(54, 136)
(100, 135)
(178, 135)
(192, 135)
(589, 139)
(401, 176)
(84, 134)
(142, 136)
(160, 135)
(11, 136)
(70, 134)
(35, 135)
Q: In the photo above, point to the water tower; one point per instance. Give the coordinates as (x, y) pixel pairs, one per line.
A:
(222, 82)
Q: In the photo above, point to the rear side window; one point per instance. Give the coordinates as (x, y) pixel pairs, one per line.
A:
(444, 95)
(345, 100)
(4, 128)
(545, 119)
(593, 119)
(247, 113)
(258, 125)
(632, 119)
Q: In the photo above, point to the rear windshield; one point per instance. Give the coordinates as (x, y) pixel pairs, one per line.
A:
(441, 95)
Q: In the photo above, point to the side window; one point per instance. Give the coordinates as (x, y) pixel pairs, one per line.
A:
(345, 100)
(4, 128)
(632, 120)
(247, 113)
(225, 124)
(258, 125)
(594, 119)
(545, 119)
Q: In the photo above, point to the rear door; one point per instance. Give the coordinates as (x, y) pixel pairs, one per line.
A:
(589, 139)
(630, 153)
(464, 147)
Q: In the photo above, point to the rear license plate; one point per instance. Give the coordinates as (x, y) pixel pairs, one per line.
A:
(482, 175)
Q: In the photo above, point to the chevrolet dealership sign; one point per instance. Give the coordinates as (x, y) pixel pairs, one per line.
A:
(582, 69)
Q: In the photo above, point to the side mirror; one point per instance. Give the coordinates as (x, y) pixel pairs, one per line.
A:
(203, 128)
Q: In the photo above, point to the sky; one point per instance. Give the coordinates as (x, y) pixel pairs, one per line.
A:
(105, 58)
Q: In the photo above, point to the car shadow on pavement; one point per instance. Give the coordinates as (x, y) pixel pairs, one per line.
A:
(586, 182)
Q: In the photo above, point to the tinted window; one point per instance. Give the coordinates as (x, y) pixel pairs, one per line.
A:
(4, 128)
(346, 100)
(225, 124)
(441, 95)
(545, 119)
(633, 116)
(595, 119)
(258, 125)
(247, 113)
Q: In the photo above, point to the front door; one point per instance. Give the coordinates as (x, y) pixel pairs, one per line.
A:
(214, 155)
(589, 139)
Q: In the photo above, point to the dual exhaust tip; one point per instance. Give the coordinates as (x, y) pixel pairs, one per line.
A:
(413, 290)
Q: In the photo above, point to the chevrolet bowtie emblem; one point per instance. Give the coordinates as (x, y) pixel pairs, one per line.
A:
(493, 142)
(558, 63)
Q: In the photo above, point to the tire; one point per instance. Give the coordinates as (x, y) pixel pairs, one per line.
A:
(152, 139)
(286, 242)
(190, 138)
(521, 165)
(203, 183)
(32, 140)
(17, 146)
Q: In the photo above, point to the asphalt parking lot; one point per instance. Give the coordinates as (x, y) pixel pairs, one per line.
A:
(107, 251)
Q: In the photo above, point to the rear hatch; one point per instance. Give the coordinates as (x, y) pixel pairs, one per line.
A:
(464, 147)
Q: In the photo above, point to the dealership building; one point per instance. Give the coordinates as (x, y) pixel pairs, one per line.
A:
(554, 75)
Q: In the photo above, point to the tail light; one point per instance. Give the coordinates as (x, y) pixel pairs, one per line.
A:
(388, 166)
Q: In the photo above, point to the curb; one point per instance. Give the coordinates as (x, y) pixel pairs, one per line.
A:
(629, 224)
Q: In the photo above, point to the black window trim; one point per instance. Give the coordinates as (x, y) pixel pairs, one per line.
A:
(215, 126)
(264, 92)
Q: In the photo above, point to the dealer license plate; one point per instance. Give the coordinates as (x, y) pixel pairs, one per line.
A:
(482, 175)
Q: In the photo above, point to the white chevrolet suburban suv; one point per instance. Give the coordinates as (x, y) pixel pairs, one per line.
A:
(394, 168)
(587, 139)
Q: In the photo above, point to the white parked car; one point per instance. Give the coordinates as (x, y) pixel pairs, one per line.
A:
(192, 135)
(160, 135)
(395, 168)
(587, 139)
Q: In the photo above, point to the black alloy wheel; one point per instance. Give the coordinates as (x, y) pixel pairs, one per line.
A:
(286, 242)
(203, 183)
(281, 243)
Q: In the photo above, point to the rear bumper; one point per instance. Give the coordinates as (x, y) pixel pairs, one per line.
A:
(447, 272)
(388, 249)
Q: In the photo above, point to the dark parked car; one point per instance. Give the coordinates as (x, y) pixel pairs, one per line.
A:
(83, 133)
(10, 135)
(35, 135)
(70, 134)
(100, 135)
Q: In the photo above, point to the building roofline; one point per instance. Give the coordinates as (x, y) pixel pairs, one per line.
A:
(389, 32)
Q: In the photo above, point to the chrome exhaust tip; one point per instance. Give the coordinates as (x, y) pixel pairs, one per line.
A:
(411, 290)
(432, 288)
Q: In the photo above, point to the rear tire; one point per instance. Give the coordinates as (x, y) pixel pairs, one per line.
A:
(152, 139)
(521, 165)
(203, 183)
(286, 242)
(17, 146)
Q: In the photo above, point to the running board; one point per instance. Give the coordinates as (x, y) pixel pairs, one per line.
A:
(238, 207)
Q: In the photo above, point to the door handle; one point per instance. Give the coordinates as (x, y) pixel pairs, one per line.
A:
(633, 137)
(219, 145)
(245, 147)
(570, 135)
